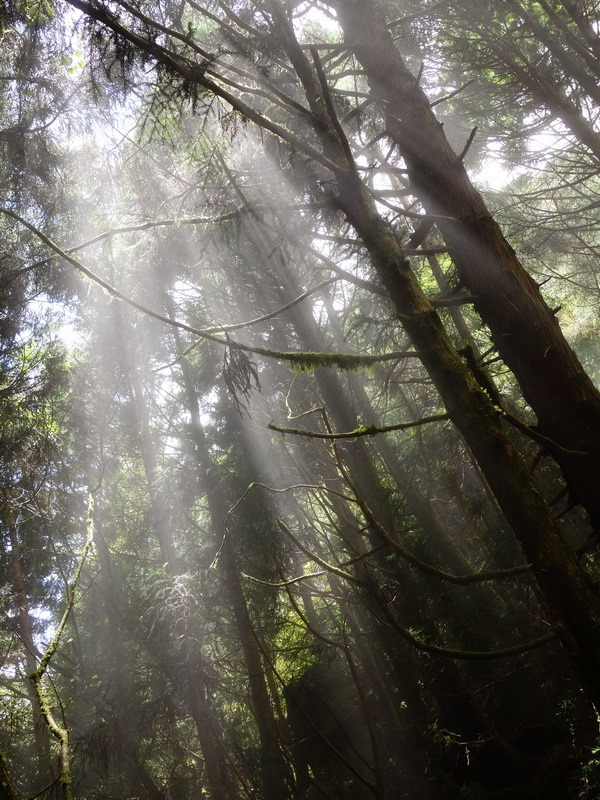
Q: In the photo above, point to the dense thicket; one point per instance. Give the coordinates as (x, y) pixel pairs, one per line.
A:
(301, 489)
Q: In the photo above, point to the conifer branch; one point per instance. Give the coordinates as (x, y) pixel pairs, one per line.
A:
(196, 74)
(469, 655)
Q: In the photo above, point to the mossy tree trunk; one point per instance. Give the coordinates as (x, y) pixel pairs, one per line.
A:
(524, 330)
(43, 750)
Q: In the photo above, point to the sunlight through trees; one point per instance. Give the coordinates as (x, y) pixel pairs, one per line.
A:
(299, 360)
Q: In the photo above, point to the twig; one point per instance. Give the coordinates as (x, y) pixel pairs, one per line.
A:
(549, 444)
(467, 146)
(417, 15)
(451, 94)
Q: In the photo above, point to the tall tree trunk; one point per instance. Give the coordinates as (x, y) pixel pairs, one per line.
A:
(524, 329)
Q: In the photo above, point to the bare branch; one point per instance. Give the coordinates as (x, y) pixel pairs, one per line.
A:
(451, 94)
(461, 156)
(365, 430)
(418, 14)
(300, 360)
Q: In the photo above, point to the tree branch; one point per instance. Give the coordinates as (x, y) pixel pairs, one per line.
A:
(196, 74)
(365, 430)
(300, 360)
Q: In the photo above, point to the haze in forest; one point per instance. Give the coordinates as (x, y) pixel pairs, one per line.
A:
(300, 426)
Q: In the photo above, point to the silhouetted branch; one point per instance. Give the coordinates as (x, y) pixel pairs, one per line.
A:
(365, 430)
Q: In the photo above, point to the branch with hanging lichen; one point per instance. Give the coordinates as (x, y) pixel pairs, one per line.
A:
(364, 430)
(36, 678)
(299, 360)
(373, 430)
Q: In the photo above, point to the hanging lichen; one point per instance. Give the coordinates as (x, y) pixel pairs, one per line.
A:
(240, 375)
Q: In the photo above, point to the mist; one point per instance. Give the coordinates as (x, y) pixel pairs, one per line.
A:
(298, 398)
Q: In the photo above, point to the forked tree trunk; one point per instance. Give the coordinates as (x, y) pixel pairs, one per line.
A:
(571, 602)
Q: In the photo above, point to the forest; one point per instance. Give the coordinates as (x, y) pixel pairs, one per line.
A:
(299, 417)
